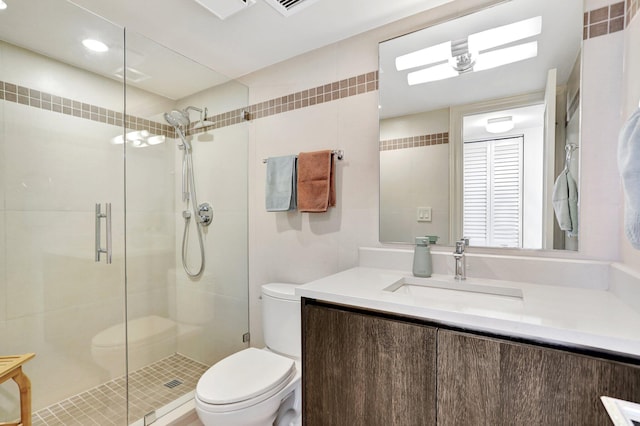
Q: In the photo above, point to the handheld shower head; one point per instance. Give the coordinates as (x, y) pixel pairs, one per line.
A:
(177, 118)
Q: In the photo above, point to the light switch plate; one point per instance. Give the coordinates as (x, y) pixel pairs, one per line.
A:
(424, 214)
(622, 413)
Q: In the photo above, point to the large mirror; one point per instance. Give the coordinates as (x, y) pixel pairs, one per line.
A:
(479, 128)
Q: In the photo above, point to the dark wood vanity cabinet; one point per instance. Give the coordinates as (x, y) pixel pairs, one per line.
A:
(488, 381)
(364, 368)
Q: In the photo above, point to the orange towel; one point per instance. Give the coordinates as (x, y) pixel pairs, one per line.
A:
(316, 183)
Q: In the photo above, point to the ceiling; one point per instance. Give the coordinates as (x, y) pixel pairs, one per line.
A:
(254, 38)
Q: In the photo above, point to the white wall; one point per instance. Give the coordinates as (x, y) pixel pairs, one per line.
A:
(294, 247)
(414, 177)
(423, 123)
(631, 90)
(600, 198)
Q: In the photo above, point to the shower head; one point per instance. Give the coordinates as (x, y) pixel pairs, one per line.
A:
(177, 118)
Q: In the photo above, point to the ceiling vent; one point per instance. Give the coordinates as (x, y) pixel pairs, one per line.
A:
(288, 7)
(225, 8)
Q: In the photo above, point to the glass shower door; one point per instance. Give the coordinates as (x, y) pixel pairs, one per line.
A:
(114, 342)
(180, 325)
(61, 108)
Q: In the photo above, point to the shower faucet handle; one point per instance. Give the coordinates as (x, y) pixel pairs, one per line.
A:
(205, 211)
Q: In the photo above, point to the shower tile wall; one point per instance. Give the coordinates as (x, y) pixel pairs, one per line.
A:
(217, 302)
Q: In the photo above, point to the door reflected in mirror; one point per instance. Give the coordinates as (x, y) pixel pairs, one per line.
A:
(472, 145)
(502, 178)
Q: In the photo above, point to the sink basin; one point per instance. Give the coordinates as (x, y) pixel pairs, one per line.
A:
(430, 287)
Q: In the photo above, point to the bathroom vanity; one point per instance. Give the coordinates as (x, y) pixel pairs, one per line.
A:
(377, 355)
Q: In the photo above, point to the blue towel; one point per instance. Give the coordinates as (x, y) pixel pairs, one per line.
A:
(281, 184)
(629, 166)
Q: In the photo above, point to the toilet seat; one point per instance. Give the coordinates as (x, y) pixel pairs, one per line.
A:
(244, 379)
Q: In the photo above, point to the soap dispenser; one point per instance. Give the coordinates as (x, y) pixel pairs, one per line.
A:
(422, 266)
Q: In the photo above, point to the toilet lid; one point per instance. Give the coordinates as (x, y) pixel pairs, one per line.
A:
(281, 291)
(243, 376)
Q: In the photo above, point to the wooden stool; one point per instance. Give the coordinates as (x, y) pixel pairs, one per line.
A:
(11, 368)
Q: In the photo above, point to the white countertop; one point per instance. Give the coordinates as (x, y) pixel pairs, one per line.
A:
(582, 318)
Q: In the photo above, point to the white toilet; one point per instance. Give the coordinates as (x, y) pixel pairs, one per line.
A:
(259, 387)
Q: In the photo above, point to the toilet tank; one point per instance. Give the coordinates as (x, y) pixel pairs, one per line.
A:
(281, 318)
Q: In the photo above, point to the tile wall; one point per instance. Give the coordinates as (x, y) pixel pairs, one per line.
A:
(414, 141)
(604, 20)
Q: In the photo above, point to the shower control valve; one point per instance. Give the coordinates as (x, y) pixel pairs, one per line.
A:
(205, 212)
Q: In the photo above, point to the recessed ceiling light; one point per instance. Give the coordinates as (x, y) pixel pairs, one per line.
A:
(3, 5)
(500, 124)
(94, 45)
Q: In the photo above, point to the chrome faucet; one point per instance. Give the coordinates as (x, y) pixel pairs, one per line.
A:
(458, 255)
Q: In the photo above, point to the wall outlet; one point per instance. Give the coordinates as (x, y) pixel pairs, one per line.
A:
(424, 214)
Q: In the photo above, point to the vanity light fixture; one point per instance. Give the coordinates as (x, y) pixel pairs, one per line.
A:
(475, 53)
(430, 55)
(508, 55)
(506, 34)
(499, 124)
(95, 45)
(3, 5)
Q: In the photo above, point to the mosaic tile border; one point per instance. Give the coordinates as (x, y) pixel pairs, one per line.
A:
(35, 98)
(604, 20)
(351, 86)
(414, 141)
(333, 91)
(336, 90)
(224, 119)
(106, 404)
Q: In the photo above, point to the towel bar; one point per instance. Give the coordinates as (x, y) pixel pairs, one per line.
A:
(339, 154)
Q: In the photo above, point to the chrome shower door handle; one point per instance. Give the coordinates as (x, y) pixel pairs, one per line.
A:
(108, 219)
(97, 238)
(107, 216)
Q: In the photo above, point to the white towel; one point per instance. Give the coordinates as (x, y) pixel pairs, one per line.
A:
(629, 166)
(565, 202)
(281, 184)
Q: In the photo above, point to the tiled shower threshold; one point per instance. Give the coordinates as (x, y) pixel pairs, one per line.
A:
(156, 387)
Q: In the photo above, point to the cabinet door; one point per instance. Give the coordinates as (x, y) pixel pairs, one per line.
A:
(366, 370)
(484, 381)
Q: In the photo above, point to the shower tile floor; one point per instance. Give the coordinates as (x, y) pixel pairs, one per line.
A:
(150, 388)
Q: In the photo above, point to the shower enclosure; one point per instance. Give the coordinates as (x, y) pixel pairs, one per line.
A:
(117, 341)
